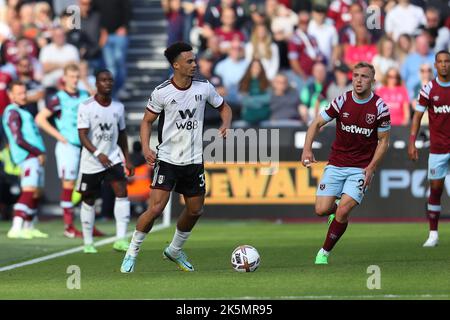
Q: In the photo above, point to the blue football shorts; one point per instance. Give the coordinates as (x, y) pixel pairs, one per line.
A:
(438, 166)
(31, 173)
(67, 160)
(339, 180)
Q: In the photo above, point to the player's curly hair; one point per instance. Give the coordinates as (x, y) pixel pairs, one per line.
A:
(173, 51)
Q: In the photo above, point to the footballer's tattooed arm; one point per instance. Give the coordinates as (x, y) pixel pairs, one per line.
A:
(307, 154)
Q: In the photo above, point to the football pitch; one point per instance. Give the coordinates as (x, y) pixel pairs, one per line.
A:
(287, 270)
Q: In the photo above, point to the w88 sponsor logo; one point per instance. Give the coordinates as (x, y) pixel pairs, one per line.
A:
(187, 125)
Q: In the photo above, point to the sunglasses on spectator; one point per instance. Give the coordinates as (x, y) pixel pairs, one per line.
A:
(425, 70)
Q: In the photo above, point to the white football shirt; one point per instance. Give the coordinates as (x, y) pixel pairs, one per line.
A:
(181, 115)
(104, 124)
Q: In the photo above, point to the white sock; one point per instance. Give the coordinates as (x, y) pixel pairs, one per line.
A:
(135, 244)
(29, 224)
(87, 217)
(324, 252)
(17, 223)
(122, 215)
(434, 234)
(179, 238)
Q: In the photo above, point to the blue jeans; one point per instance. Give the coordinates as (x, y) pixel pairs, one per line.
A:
(115, 56)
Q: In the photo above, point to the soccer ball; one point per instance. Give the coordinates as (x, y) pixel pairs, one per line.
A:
(245, 258)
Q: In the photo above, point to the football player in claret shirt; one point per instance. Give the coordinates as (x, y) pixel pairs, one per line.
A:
(362, 139)
(435, 96)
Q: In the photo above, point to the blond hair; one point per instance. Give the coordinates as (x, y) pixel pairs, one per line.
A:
(363, 64)
(71, 67)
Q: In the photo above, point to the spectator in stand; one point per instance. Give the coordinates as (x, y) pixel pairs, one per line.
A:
(231, 70)
(59, 6)
(9, 46)
(403, 48)
(395, 95)
(26, 16)
(213, 47)
(115, 18)
(303, 52)
(87, 80)
(282, 19)
(215, 10)
(339, 12)
(434, 25)
(375, 17)
(347, 34)
(313, 95)
(55, 56)
(340, 84)
(10, 12)
(363, 50)
(385, 58)
(23, 52)
(404, 18)
(43, 22)
(411, 66)
(97, 36)
(426, 75)
(205, 69)
(227, 31)
(325, 34)
(262, 48)
(194, 13)
(5, 79)
(255, 96)
(284, 104)
(175, 20)
(35, 91)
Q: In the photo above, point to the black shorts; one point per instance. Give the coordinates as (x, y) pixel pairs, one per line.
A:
(92, 182)
(188, 180)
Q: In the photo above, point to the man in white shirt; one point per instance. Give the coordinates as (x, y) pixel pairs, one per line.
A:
(55, 56)
(180, 104)
(101, 128)
(325, 34)
(404, 18)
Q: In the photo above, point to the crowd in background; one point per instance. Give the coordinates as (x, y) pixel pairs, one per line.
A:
(279, 62)
(37, 40)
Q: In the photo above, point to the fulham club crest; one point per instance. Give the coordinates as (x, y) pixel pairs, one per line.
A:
(160, 179)
(370, 118)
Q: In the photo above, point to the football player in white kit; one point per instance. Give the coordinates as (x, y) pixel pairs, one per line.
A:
(180, 104)
(101, 127)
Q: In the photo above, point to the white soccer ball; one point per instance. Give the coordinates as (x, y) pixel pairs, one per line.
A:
(245, 258)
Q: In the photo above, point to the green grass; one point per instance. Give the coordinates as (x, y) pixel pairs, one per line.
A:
(287, 270)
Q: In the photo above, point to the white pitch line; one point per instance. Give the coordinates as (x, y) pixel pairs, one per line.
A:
(69, 251)
(331, 297)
